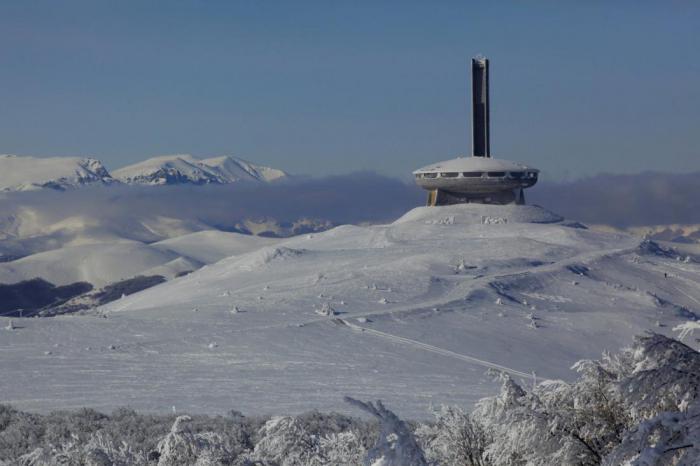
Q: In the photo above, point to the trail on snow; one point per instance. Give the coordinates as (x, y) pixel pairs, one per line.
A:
(435, 349)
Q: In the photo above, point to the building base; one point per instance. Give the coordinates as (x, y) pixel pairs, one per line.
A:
(438, 197)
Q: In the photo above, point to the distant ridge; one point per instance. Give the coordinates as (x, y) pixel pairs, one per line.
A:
(186, 169)
(29, 173)
(23, 173)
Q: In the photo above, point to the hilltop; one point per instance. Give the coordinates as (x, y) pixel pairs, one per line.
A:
(413, 312)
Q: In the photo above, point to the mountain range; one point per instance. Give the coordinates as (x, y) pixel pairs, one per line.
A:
(60, 173)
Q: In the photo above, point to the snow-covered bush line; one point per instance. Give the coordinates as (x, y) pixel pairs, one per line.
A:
(126, 437)
(640, 407)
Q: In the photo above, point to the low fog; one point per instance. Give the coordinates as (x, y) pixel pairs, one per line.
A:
(617, 200)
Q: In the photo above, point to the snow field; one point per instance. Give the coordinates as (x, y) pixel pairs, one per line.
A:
(422, 307)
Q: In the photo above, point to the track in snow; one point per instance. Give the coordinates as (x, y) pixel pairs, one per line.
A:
(435, 349)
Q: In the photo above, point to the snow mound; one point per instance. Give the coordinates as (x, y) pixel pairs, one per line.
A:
(267, 255)
(211, 245)
(98, 264)
(29, 173)
(469, 214)
(186, 169)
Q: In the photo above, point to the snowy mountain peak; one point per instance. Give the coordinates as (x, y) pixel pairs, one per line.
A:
(28, 173)
(186, 169)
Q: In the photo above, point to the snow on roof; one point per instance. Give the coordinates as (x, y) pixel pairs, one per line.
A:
(466, 164)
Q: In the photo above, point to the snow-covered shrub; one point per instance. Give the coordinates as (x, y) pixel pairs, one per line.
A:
(183, 447)
(396, 445)
(524, 431)
(285, 442)
(180, 445)
(88, 437)
(453, 439)
(98, 451)
(20, 433)
(687, 329)
(663, 375)
(645, 400)
(313, 438)
(342, 449)
(669, 438)
(641, 407)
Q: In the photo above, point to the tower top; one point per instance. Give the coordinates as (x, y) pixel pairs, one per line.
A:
(481, 144)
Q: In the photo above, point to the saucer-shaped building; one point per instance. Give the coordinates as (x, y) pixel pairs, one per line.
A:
(478, 178)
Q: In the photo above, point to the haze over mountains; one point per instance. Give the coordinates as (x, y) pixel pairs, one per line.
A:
(27, 173)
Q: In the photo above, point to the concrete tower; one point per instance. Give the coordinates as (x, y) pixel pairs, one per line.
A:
(481, 143)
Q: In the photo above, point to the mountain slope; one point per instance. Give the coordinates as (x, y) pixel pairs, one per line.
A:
(413, 313)
(185, 169)
(102, 263)
(27, 173)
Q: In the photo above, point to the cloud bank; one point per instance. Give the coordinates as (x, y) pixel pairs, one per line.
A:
(618, 200)
(624, 200)
(355, 198)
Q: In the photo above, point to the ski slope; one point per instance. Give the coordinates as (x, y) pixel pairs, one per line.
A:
(422, 308)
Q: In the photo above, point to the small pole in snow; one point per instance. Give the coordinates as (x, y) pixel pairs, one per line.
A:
(534, 380)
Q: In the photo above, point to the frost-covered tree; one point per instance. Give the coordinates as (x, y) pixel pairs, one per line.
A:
(37, 457)
(639, 407)
(179, 446)
(396, 445)
(524, 430)
(182, 447)
(671, 438)
(101, 449)
(687, 329)
(662, 392)
(342, 449)
(453, 439)
(285, 441)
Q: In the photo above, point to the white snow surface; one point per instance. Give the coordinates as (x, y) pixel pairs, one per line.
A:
(423, 307)
(102, 263)
(28, 173)
(184, 168)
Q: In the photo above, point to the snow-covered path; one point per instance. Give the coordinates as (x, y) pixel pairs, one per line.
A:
(435, 349)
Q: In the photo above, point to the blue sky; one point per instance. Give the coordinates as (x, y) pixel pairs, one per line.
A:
(329, 87)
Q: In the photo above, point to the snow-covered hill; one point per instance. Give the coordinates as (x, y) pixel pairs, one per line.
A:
(185, 169)
(102, 263)
(28, 173)
(412, 312)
